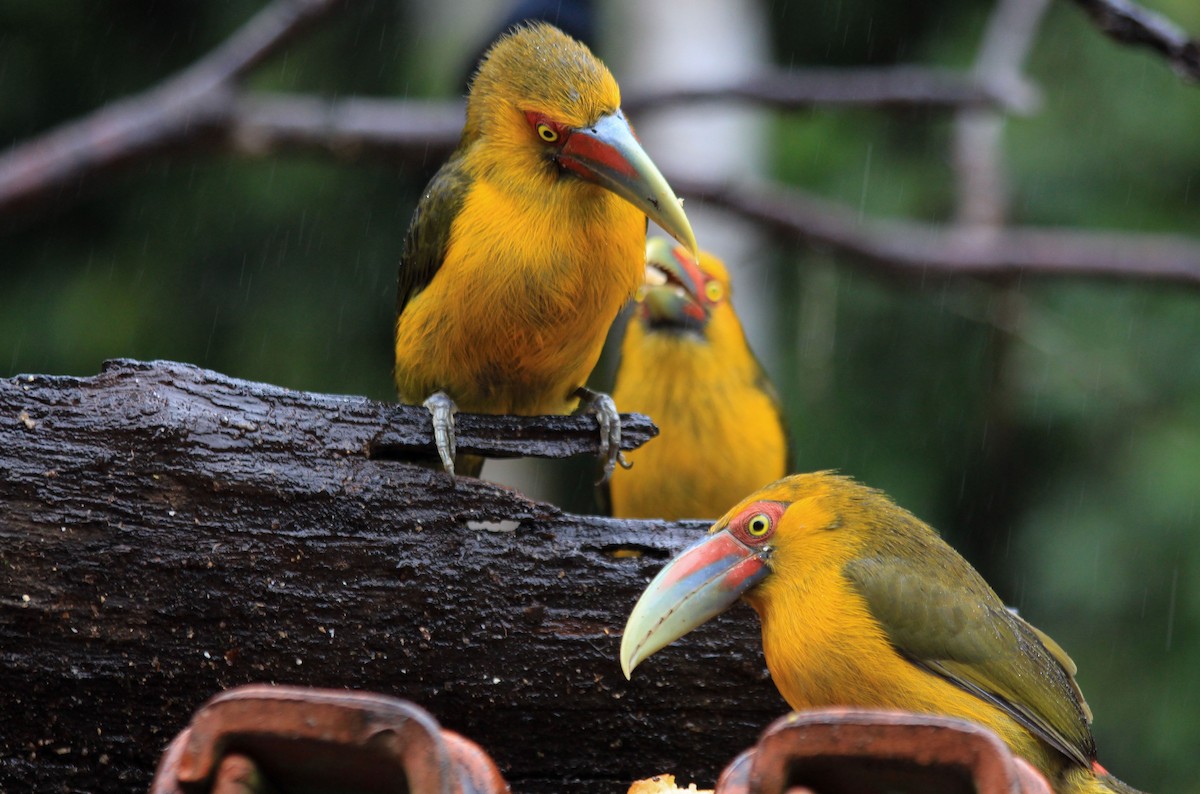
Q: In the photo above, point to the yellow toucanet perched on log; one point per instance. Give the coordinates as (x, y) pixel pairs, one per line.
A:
(863, 604)
(527, 242)
(686, 364)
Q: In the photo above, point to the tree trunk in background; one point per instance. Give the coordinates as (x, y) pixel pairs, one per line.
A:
(661, 45)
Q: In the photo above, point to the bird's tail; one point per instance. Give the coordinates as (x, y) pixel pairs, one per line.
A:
(1097, 780)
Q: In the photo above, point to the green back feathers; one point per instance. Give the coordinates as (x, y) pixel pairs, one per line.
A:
(940, 614)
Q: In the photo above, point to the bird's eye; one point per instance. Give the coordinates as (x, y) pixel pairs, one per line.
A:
(758, 525)
(714, 291)
(547, 133)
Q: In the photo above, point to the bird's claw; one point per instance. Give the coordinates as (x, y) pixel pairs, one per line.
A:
(605, 411)
(441, 410)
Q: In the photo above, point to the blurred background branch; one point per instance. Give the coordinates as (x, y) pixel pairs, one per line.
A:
(921, 251)
(1129, 23)
(202, 110)
(183, 111)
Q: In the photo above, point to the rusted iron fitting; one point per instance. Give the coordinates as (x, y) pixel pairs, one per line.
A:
(852, 751)
(262, 739)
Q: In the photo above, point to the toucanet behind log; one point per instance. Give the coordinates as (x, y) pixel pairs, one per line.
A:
(686, 364)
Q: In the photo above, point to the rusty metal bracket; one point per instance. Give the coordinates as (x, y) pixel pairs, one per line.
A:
(262, 739)
(852, 751)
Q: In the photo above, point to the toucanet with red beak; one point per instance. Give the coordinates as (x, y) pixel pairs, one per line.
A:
(863, 604)
(527, 242)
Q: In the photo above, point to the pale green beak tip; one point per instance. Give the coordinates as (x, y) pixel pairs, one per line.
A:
(680, 228)
(699, 584)
(627, 654)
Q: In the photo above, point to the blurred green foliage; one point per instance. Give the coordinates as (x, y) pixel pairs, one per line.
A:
(1059, 449)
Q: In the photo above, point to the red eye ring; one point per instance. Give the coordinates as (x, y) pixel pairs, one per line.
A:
(546, 130)
(757, 522)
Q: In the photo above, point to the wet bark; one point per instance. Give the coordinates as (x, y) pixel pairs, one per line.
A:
(166, 532)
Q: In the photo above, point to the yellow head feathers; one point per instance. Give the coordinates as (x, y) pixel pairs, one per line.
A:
(539, 68)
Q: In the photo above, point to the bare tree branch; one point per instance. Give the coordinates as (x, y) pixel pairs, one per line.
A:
(267, 32)
(200, 108)
(891, 88)
(184, 110)
(259, 125)
(1131, 24)
(416, 131)
(407, 131)
(911, 250)
(355, 425)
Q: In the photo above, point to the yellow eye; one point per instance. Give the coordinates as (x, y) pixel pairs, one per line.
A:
(547, 133)
(759, 525)
(714, 291)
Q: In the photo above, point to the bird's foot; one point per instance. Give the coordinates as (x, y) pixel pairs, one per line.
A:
(605, 410)
(442, 409)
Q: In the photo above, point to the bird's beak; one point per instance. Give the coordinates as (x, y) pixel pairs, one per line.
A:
(671, 294)
(695, 587)
(608, 154)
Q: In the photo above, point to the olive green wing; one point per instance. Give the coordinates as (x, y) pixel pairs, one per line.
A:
(429, 230)
(945, 619)
(763, 383)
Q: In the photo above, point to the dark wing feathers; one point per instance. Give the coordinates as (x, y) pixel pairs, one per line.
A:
(429, 231)
(957, 628)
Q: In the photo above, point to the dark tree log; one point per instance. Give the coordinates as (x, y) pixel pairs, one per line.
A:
(167, 532)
